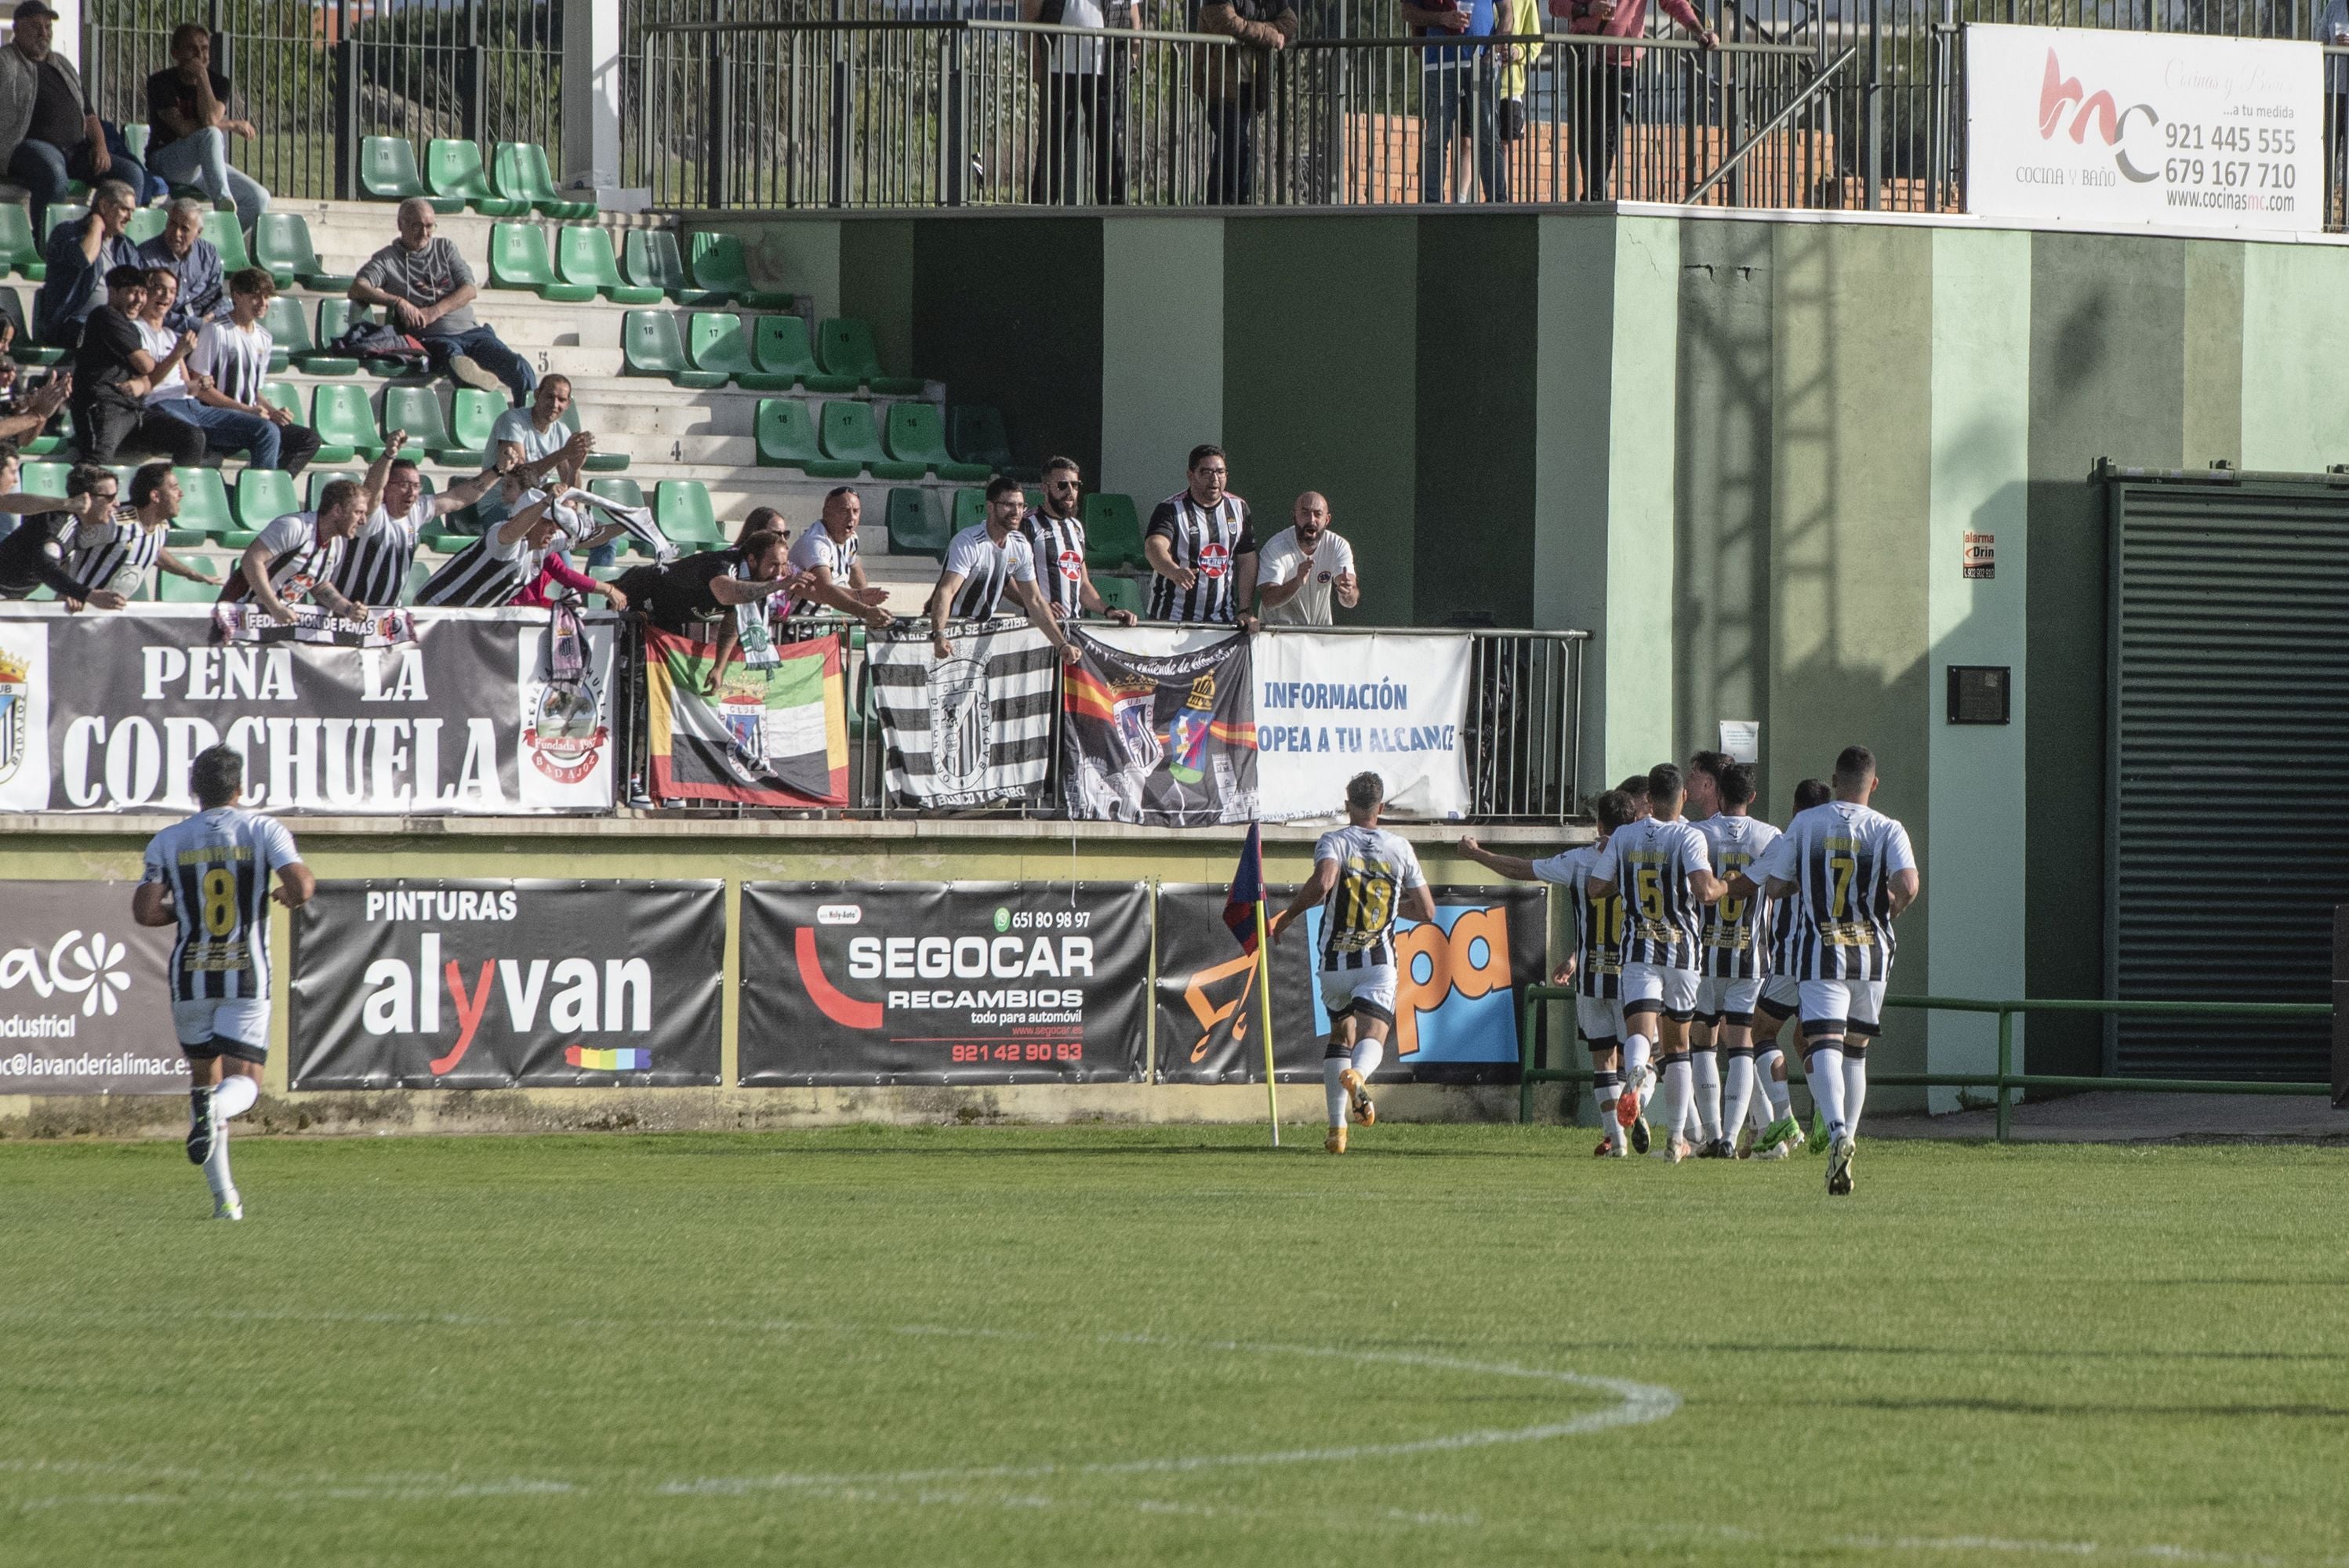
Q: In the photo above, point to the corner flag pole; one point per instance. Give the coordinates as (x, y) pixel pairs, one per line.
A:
(1264, 1002)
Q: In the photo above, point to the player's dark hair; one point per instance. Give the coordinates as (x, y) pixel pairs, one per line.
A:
(87, 477)
(757, 541)
(155, 276)
(405, 463)
(147, 482)
(1736, 785)
(1812, 792)
(1054, 465)
(1712, 764)
(336, 495)
(217, 775)
(763, 520)
(1635, 787)
(1857, 765)
(252, 281)
(1201, 453)
(1364, 790)
(836, 491)
(126, 277)
(1665, 783)
(1002, 485)
(1613, 809)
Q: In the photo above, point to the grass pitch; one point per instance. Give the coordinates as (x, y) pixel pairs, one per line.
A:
(1456, 1345)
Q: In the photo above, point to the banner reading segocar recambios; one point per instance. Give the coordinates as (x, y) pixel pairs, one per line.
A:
(1459, 992)
(863, 983)
(85, 1004)
(491, 984)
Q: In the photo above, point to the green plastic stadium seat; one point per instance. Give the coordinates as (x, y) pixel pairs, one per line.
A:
(583, 254)
(714, 338)
(519, 260)
(916, 435)
(416, 410)
(453, 169)
(221, 228)
(970, 508)
(17, 250)
(340, 415)
(288, 395)
(288, 326)
(24, 348)
(387, 173)
(1112, 532)
(787, 439)
(175, 589)
(61, 212)
(681, 507)
(472, 412)
(845, 346)
(1122, 593)
(720, 265)
(281, 244)
(650, 345)
(597, 462)
(418, 574)
(263, 496)
(976, 434)
(849, 434)
(651, 261)
(520, 172)
(321, 478)
(335, 317)
(620, 493)
(144, 225)
(780, 346)
(203, 501)
(917, 524)
(42, 478)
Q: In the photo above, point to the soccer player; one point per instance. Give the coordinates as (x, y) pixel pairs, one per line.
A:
(1779, 1134)
(1850, 873)
(1661, 868)
(1734, 934)
(210, 874)
(1592, 969)
(1362, 875)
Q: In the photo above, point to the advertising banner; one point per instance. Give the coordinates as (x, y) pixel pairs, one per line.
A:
(944, 983)
(1460, 989)
(495, 985)
(84, 1003)
(104, 712)
(1330, 706)
(972, 730)
(1164, 739)
(771, 734)
(2178, 130)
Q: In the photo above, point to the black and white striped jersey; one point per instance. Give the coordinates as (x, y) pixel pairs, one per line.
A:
(1597, 924)
(816, 548)
(104, 551)
(988, 571)
(298, 559)
(1375, 868)
(1649, 861)
(218, 864)
(376, 559)
(1841, 858)
(235, 358)
(483, 575)
(1210, 541)
(1058, 545)
(1736, 932)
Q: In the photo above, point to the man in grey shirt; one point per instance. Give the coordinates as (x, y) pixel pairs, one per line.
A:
(427, 290)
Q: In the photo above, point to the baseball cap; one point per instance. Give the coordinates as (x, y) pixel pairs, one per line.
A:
(31, 8)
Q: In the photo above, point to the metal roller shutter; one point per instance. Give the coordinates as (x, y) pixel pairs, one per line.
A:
(2227, 811)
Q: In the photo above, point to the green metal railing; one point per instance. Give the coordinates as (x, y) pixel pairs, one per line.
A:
(2006, 1080)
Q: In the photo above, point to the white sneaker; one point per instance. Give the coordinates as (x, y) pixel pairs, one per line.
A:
(473, 373)
(1777, 1152)
(228, 1208)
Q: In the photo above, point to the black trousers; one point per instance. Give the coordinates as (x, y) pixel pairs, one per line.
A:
(1075, 102)
(1602, 106)
(107, 423)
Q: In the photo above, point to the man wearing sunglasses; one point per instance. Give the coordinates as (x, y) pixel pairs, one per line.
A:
(1056, 535)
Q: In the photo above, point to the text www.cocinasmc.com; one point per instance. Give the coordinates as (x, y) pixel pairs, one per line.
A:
(2233, 200)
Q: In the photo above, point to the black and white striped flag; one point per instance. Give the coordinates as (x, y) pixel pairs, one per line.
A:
(972, 730)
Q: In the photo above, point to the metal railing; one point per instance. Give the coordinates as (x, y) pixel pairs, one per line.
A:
(2005, 1080)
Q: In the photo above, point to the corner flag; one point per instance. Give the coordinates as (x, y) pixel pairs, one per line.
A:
(1248, 890)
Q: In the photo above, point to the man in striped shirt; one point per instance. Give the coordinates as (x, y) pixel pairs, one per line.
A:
(1056, 535)
(294, 560)
(827, 556)
(492, 570)
(229, 372)
(985, 561)
(1662, 869)
(33, 555)
(375, 564)
(210, 876)
(118, 552)
(1780, 1000)
(1734, 961)
(1201, 546)
(1843, 873)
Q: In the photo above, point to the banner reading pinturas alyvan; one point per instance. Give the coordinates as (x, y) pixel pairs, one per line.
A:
(1458, 999)
(102, 712)
(943, 983)
(495, 985)
(1330, 706)
(84, 1003)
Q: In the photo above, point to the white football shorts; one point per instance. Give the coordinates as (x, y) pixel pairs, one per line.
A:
(1650, 989)
(215, 1027)
(1718, 999)
(1367, 991)
(1599, 1017)
(1842, 1006)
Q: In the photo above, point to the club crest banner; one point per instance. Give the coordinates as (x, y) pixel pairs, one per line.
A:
(1328, 708)
(1168, 739)
(972, 730)
(85, 998)
(774, 734)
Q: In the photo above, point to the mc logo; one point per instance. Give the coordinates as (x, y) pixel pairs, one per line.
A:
(2100, 109)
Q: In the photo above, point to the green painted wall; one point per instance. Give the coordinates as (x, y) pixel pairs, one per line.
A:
(1014, 306)
(1161, 336)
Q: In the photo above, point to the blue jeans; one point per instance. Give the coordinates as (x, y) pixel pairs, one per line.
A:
(481, 343)
(1458, 99)
(263, 443)
(45, 171)
(201, 160)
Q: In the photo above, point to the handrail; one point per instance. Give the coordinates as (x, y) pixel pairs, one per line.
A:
(1307, 45)
(1816, 85)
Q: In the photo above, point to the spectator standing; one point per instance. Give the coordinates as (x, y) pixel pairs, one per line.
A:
(193, 261)
(1304, 567)
(34, 554)
(1078, 100)
(117, 552)
(79, 256)
(827, 556)
(188, 126)
(427, 290)
(113, 372)
(294, 559)
(1459, 94)
(1056, 537)
(1231, 80)
(1604, 77)
(228, 369)
(375, 564)
(682, 597)
(1200, 545)
(986, 561)
(50, 135)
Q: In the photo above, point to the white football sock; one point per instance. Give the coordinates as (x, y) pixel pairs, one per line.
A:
(1367, 1054)
(1776, 1092)
(1609, 1087)
(1635, 1065)
(1333, 1090)
(235, 1095)
(1855, 1091)
(216, 1176)
(1737, 1092)
(1707, 1068)
(1824, 1068)
(1677, 1090)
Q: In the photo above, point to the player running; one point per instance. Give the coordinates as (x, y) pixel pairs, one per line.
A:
(1779, 1133)
(211, 874)
(1593, 968)
(1851, 873)
(1662, 869)
(1362, 874)
(1731, 959)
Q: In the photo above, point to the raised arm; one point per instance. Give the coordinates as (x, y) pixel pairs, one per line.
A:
(1510, 866)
